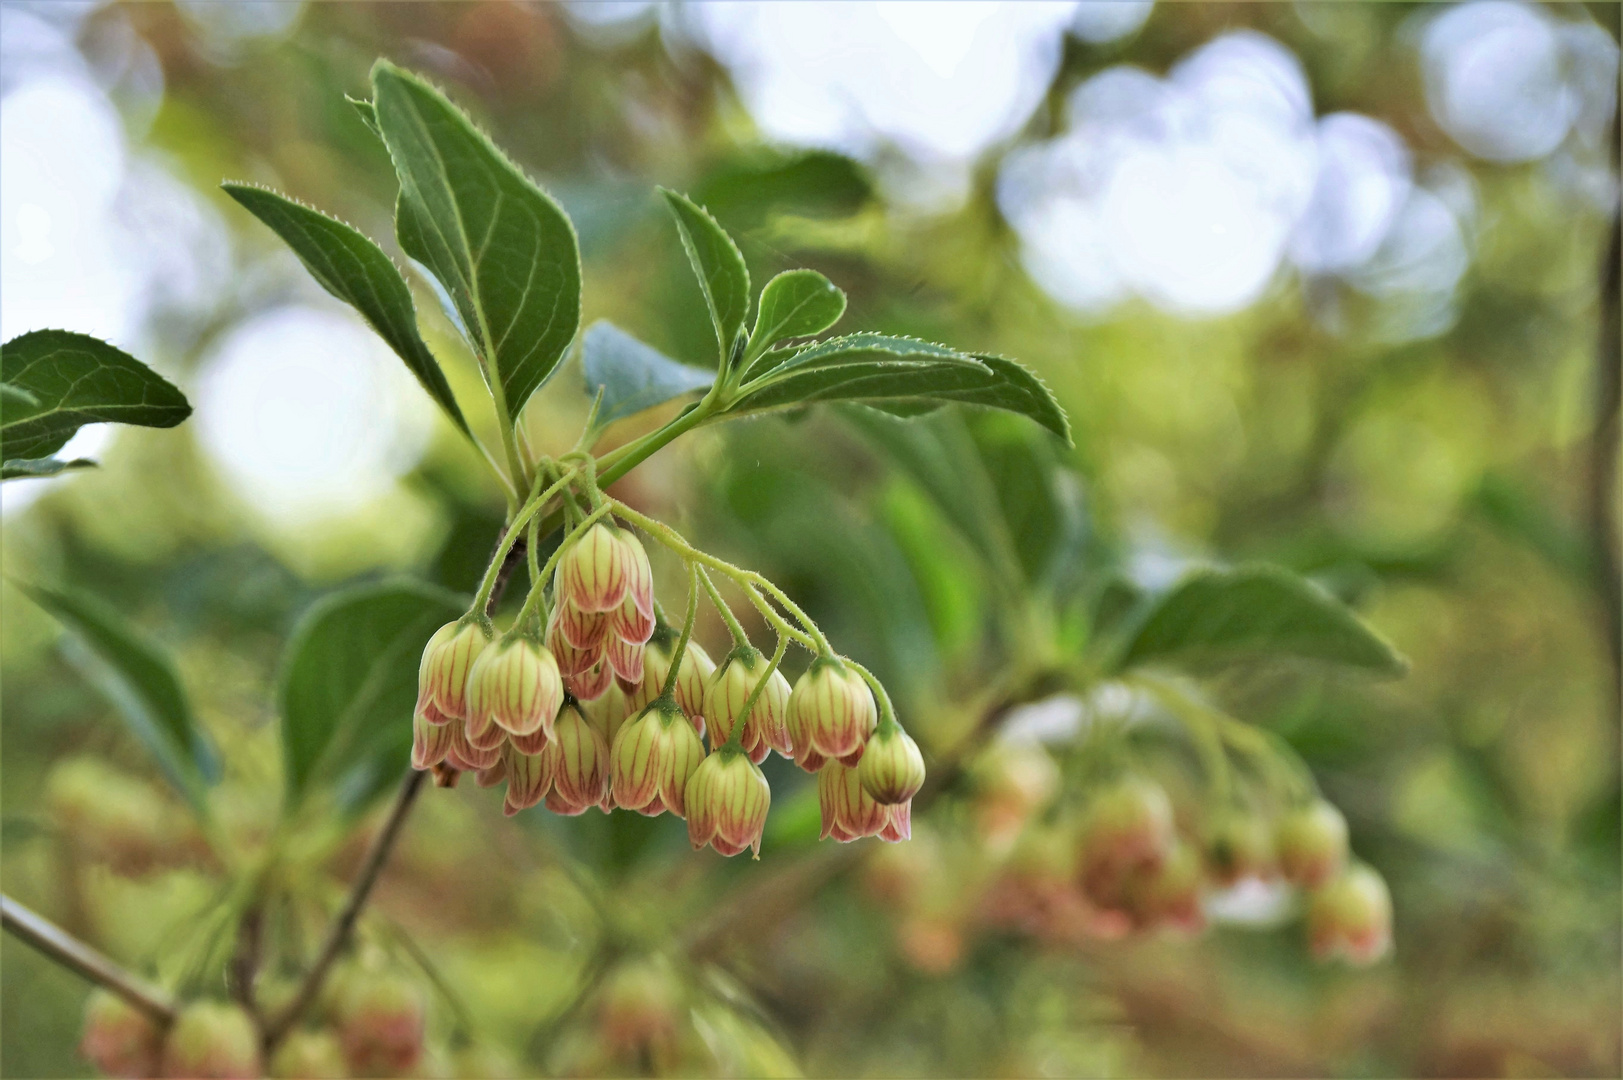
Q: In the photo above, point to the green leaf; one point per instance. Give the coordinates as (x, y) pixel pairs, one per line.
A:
(349, 684)
(860, 348)
(139, 680)
(354, 269)
(796, 303)
(633, 376)
(718, 265)
(909, 384)
(75, 380)
(368, 113)
(1219, 616)
(504, 250)
(34, 468)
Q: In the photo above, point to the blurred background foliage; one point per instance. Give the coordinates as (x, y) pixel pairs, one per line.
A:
(1373, 362)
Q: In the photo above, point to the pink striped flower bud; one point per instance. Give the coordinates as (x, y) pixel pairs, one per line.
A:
(380, 1024)
(529, 777)
(591, 684)
(119, 1039)
(442, 677)
(652, 759)
(211, 1040)
(727, 691)
(608, 712)
(624, 658)
(430, 742)
(800, 748)
(467, 757)
(581, 774)
(727, 801)
(836, 710)
(514, 685)
(849, 813)
(898, 823)
(691, 679)
(497, 773)
(582, 630)
(631, 622)
(604, 567)
(1312, 844)
(1351, 918)
(570, 660)
(892, 769)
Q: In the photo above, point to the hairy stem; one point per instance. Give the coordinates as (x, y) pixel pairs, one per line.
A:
(71, 953)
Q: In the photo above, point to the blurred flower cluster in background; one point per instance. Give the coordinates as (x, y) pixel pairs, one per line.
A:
(1319, 284)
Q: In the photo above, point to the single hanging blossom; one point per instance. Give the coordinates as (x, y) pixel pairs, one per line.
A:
(850, 813)
(580, 775)
(727, 691)
(430, 742)
(651, 761)
(691, 678)
(529, 777)
(1351, 917)
(442, 677)
(891, 769)
(1312, 844)
(727, 801)
(214, 1040)
(604, 611)
(834, 711)
(118, 1038)
(514, 688)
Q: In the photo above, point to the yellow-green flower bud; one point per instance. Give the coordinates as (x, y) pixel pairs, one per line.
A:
(1312, 844)
(727, 801)
(892, 769)
(1239, 845)
(696, 671)
(849, 813)
(309, 1055)
(581, 774)
(652, 759)
(602, 568)
(430, 742)
(213, 1040)
(836, 710)
(529, 777)
(1351, 917)
(120, 1039)
(380, 1024)
(442, 677)
(514, 685)
(730, 687)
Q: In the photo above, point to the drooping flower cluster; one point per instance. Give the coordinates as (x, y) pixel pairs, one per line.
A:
(590, 712)
(1127, 867)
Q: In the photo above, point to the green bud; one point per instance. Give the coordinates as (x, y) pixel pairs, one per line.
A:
(514, 685)
(834, 709)
(1312, 844)
(892, 769)
(211, 1040)
(442, 677)
(309, 1055)
(118, 1038)
(380, 1024)
(727, 801)
(1239, 845)
(1350, 917)
(727, 691)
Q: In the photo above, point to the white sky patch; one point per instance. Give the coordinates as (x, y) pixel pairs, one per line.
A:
(941, 82)
(308, 414)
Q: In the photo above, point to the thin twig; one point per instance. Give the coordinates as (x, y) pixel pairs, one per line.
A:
(344, 925)
(338, 937)
(74, 954)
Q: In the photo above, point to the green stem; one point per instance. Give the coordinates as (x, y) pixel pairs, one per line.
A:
(887, 711)
(740, 639)
(735, 740)
(668, 691)
(749, 579)
(527, 511)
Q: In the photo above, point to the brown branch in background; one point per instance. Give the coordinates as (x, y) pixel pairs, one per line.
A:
(410, 786)
(1603, 463)
(244, 967)
(74, 954)
(344, 925)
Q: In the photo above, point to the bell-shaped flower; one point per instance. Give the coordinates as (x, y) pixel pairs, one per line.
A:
(516, 686)
(727, 801)
(529, 777)
(836, 710)
(581, 773)
(849, 813)
(651, 761)
(430, 742)
(730, 687)
(1312, 844)
(1350, 917)
(442, 676)
(892, 769)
